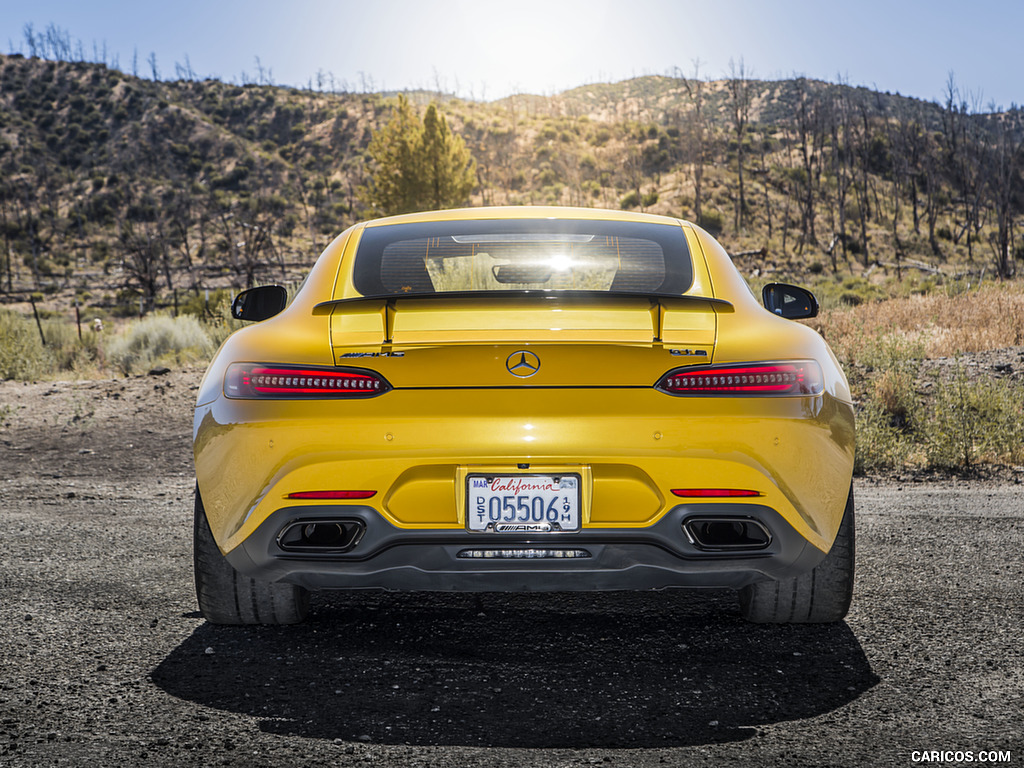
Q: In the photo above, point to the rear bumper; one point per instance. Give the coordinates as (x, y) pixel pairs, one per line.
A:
(630, 446)
(657, 557)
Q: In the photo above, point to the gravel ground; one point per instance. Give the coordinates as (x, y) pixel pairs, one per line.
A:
(105, 661)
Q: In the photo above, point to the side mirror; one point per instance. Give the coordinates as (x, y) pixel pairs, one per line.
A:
(259, 303)
(789, 301)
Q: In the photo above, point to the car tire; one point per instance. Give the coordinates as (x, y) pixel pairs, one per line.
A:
(819, 596)
(229, 597)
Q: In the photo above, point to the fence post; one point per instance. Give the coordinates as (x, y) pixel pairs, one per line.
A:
(39, 325)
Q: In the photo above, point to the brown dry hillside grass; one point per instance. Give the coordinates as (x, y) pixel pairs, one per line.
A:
(974, 321)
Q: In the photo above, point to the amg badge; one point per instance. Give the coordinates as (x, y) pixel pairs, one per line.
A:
(522, 527)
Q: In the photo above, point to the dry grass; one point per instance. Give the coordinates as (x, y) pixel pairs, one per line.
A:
(911, 415)
(974, 321)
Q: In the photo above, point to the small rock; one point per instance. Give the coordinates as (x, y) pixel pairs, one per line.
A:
(209, 650)
(713, 723)
(365, 737)
(159, 371)
(28, 617)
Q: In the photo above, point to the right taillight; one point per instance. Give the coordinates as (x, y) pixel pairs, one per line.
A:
(286, 382)
(801, 377)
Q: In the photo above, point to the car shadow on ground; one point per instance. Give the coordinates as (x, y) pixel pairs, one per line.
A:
(521, 670)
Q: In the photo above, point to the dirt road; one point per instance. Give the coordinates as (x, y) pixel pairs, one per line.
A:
(104, 660)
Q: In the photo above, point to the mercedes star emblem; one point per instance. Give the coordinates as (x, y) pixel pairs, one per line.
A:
(522, 364)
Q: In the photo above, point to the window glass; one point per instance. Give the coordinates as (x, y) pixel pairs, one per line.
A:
(522, 255)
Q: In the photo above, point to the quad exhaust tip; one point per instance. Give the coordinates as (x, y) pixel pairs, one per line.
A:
(727, 534)
(325, 536)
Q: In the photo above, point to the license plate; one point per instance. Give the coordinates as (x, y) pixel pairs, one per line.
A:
(523, 503)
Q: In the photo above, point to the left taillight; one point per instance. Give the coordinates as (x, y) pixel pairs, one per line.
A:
(249, 381)
(799, 377)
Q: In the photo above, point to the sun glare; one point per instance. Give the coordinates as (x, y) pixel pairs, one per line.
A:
(532, 47)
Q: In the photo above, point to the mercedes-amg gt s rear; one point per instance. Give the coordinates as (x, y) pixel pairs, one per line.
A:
(524, 399)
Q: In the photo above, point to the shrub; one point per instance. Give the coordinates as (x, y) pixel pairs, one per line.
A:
(159, 339)
(22, 354)
(973, 421)
(891, 412)
(712, 221)
(895, 352)
(880, 446)
(70, 353)
(629, 200)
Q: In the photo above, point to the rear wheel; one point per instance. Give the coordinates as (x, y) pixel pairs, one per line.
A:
(819, 596)
(229, 597)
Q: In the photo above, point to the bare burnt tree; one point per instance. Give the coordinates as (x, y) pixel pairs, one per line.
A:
(896, 168)
(862, 139)
(929, 171)
(1003, 177)
(31, 222)
(962, 143)
(247, 232)
(915, 144)
(810, 132)
(840, 158)
(765, 146)
(182, 219)
(696, 133)
(140, 258)
(8, 221)
(740, 94)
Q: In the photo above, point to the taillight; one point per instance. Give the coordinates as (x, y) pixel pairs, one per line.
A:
(714, 493)
(331, 495)
(285, 382)
(802, 377)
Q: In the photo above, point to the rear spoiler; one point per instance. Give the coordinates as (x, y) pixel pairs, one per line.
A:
(564, 296)
(659, 302)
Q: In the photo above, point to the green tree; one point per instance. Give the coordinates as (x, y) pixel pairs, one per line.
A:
(418, 165)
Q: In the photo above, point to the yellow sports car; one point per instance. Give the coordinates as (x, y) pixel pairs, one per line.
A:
(517, 399)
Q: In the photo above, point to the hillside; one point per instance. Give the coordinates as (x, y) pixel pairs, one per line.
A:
(127, 192)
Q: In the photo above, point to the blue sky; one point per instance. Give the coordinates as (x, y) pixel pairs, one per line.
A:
(488, 49)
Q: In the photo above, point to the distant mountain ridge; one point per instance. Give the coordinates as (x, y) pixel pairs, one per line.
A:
(136, 188)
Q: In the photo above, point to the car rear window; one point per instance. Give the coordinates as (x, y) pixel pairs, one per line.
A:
(522, 255)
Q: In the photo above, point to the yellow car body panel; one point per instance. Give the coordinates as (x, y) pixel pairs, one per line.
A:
(293, 447)
(591, 409)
